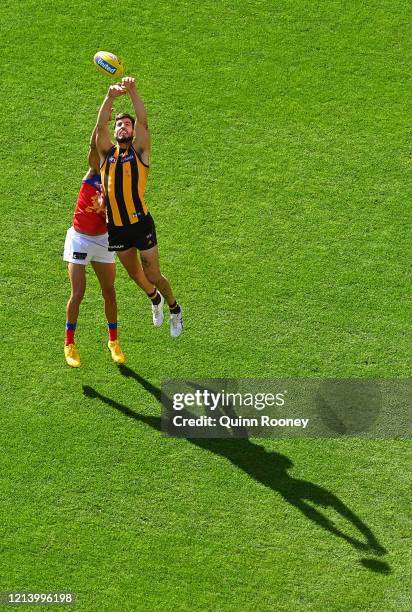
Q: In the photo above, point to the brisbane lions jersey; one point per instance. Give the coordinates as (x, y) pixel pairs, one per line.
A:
(90, 214)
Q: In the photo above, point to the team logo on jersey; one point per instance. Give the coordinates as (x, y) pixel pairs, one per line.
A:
(97, 205)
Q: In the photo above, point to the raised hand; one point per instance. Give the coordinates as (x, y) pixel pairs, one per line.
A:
(128, 83)
(117, 90)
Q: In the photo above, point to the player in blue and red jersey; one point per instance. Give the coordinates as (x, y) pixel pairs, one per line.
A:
(87, 241)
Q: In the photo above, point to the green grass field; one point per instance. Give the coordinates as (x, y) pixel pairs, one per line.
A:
(279, 188)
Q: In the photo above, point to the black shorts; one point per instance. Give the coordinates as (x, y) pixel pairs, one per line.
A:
(141, 235)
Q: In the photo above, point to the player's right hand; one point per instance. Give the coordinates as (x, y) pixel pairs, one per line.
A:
(116, 90)
(128, 83)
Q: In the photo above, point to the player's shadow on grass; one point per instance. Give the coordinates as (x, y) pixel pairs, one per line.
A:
(271, 470)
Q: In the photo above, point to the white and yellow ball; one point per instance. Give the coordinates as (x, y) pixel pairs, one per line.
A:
(108, 64)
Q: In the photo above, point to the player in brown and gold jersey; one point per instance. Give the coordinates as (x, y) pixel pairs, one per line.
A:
(124, 171)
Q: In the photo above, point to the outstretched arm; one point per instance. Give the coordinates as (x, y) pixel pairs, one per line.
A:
(93, 154)
(103, 139)
(141, 139)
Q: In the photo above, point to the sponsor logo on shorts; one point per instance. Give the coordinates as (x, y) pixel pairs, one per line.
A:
(106, 65)
(117, 246)
(77, 255)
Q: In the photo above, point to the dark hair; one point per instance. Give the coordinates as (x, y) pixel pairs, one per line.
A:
(124, 116)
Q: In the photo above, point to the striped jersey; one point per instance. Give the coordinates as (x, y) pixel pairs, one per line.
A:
(124, 178)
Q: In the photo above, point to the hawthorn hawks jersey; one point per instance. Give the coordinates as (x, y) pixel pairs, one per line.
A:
(124, 177)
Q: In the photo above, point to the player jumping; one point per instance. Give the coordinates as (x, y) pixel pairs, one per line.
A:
(87, 241)
(124, 171)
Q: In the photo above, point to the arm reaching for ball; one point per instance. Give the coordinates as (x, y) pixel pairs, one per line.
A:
(103, 138)
(93, 154)
(141, 139)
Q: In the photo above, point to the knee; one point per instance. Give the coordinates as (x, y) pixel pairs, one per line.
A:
(154, 276)
(135, 275)
(139, 277)
(109, 294)
(77, 295)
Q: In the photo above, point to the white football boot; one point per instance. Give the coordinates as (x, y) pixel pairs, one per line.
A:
(157, 312)
(176, 324)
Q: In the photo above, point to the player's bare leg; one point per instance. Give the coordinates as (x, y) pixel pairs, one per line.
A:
(131, 261)
(106, 274)
(77, 276)
(151, 266)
